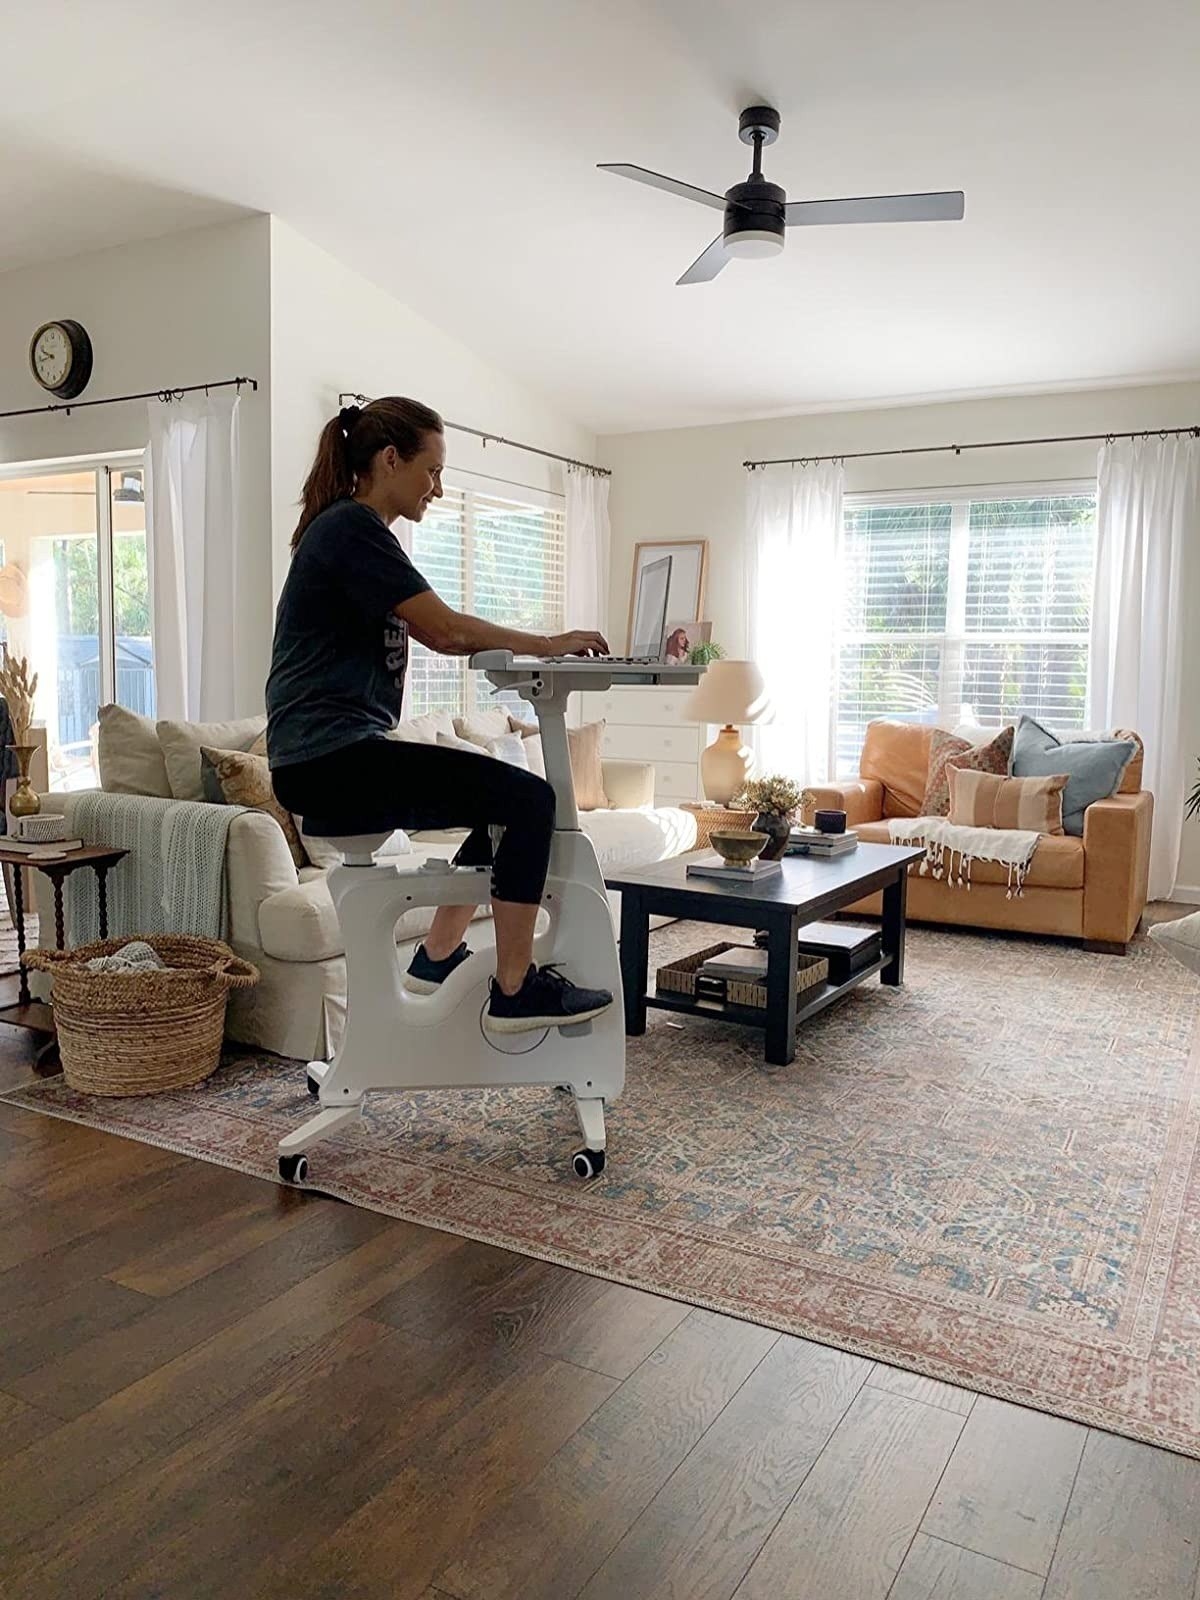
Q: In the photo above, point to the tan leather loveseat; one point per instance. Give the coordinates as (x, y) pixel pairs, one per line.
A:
(1092, 888)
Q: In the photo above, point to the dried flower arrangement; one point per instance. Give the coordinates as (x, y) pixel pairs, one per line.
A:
(18, 690)
(774, 796)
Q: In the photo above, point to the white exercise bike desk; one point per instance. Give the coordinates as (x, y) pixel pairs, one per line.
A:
(394, 1039)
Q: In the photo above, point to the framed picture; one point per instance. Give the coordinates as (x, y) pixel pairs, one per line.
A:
(681, 638)
(685, 585)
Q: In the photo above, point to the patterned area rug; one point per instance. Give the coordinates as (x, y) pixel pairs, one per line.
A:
(988, 1176)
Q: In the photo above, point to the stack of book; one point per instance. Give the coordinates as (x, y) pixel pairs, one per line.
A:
(750, 872)
(811, 842)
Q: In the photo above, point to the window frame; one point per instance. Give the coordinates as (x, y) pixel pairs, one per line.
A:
(954, 636)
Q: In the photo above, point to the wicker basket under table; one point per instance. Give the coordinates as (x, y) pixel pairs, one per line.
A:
(142, 1032)
(680, 976)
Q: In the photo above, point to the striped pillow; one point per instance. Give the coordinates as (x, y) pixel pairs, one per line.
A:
(983, 800)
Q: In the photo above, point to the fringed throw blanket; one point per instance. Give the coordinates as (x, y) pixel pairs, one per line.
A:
(950, 848)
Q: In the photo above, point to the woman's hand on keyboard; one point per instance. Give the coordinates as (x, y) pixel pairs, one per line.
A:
(580, 642)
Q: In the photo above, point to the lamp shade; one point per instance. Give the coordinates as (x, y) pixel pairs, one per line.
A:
(729, 692)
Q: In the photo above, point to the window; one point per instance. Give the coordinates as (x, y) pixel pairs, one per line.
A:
(969, 607)
(498, 558)
(75, 599)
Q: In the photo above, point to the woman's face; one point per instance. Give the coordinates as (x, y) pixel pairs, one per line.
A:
(412, 485)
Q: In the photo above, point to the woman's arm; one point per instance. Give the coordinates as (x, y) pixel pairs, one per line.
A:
(455, 633)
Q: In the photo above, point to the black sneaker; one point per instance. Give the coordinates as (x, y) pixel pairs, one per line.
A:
(426, 976)
(544, 1000)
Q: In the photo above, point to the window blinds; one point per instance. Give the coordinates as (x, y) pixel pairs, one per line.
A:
(963, 610)
(499, 558)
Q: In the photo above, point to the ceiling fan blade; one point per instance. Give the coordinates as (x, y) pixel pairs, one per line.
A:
(943, 207)
(655, 180)
(706, 266)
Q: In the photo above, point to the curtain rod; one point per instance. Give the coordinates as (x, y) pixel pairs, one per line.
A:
(175, 393)
(989, 444)
(494, 438)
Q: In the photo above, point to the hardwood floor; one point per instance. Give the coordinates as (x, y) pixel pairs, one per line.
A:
(213, 1386)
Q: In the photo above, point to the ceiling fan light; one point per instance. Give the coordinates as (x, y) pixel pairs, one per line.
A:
(753, 243)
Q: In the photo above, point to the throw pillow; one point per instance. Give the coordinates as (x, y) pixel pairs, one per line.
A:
(245, 780)
(509, 747)
(481, 726)
(587, 774)
(587, 769)
(986, 800)
(130, 755)
(993, 756)
(182, 742)
(1094, 771)
(450, 741)
(1181, 939)
(423, 729)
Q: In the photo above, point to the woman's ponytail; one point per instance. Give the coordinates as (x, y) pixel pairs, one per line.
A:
(350, 442)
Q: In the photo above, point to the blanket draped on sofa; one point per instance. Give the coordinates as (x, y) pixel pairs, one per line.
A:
(943, 841)
(172, 880)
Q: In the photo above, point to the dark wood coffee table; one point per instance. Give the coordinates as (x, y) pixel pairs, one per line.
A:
(804, 892)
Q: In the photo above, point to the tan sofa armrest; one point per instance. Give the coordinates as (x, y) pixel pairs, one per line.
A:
(258, 864)
(860, 798)
(628, 783)
(1116, 872)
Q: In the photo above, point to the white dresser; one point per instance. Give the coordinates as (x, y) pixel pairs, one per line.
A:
(648, 725)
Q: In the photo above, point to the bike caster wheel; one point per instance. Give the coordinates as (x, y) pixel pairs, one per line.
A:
(293, 1169)
(314, 1088)
(587, 1163)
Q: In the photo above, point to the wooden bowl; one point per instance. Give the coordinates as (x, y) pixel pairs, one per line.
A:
(737, 846)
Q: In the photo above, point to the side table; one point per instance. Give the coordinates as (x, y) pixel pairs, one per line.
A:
(28, 1012)
(710, 817)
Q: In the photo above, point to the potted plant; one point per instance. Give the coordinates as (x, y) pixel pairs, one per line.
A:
(702, 654)
(775, 800)
(1193, 804)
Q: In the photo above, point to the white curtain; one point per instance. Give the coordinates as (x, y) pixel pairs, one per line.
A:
(588, 540)
(794, 539)
(194, 547)
(1148, 519)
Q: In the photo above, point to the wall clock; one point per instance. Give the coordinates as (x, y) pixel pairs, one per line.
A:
(60, 358)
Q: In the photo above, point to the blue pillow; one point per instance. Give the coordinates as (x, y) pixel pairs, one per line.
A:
(1094, 769)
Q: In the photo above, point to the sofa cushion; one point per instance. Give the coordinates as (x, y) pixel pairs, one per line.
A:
(181, 743)
(129, 754)
(896, 754)
(992, 755)
(1131, 783)
(1058, 862)
(1094, 770)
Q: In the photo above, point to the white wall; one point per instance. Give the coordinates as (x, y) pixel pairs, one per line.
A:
(690, 483)
(177, 310)
(333, 330)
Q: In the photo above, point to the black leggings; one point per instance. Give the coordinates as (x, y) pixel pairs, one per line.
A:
(384, 783)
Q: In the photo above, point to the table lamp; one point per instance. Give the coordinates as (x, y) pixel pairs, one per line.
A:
(731, 693)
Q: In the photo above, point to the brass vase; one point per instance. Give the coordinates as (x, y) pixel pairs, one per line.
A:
(24, 802)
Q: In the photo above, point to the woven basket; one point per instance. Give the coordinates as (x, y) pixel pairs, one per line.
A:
(680, 976)
(142, 1032)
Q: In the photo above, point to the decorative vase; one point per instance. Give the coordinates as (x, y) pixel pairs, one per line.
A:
(24, 802)
(777, 830)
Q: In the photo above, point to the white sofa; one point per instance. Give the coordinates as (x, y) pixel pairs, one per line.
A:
(282, 918)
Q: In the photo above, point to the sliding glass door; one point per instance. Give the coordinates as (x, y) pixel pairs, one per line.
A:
(74, 599)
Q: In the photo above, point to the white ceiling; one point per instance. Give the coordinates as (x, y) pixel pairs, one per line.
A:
(448, 149)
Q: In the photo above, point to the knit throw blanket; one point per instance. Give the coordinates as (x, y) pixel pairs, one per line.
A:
(950, 849)
(172, 880)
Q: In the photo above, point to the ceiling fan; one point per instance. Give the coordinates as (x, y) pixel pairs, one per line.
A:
(757, 212)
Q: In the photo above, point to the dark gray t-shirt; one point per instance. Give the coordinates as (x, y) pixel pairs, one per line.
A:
(337, 664)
